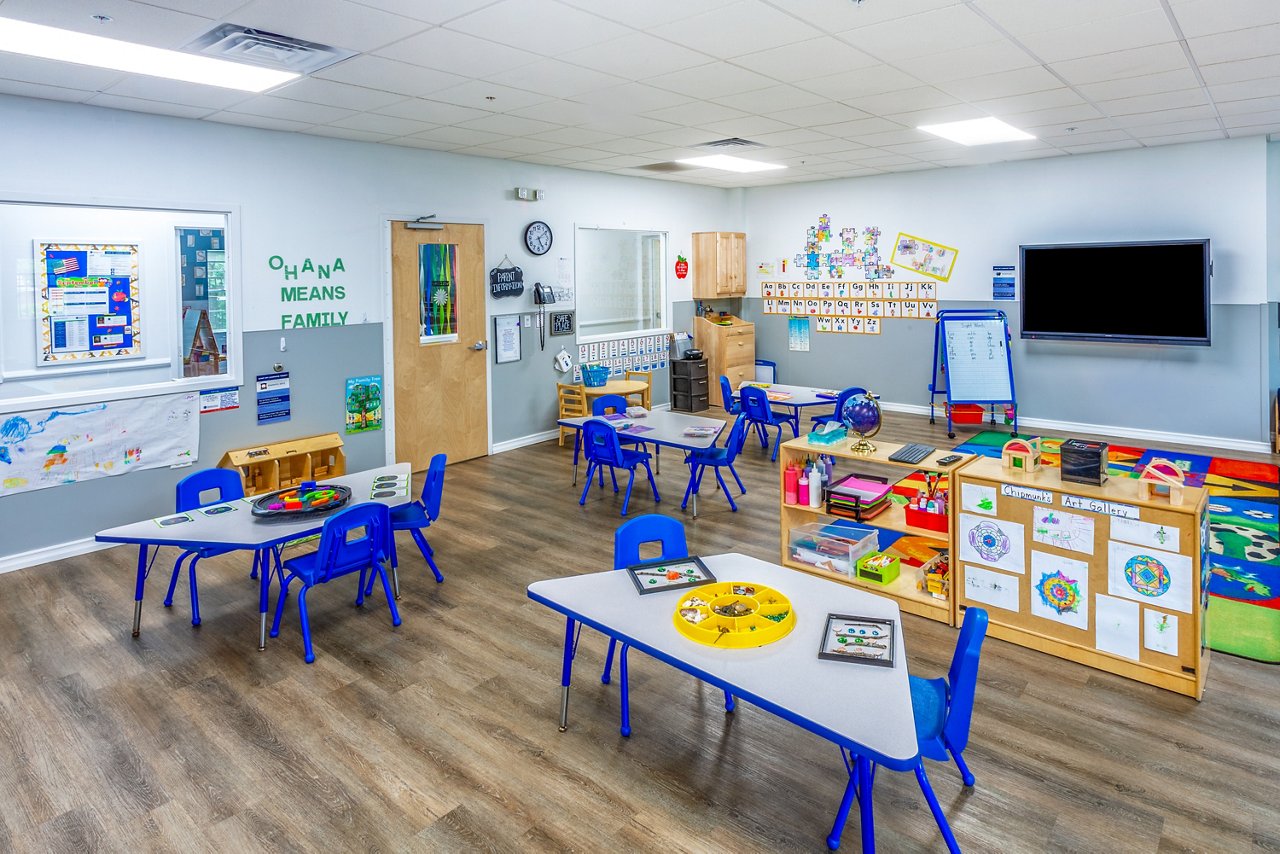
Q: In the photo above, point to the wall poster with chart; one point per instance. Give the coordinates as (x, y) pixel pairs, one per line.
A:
(87, 302)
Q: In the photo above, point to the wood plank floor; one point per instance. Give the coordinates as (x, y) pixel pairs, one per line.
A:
(441, 735)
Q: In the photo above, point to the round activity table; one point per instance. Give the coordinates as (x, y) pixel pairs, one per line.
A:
(622, 387)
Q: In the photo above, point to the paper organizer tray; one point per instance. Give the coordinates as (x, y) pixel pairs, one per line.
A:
(753, 628)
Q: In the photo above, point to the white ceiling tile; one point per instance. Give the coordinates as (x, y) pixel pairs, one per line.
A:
(434, 112)
(624, 125)
(375, 72)
(745, 26)
(898, 137)
(476, 94)
(642, 15)
(560, 112)
(458, 136)
(680, 136)
(1149, 84)
(747, 128)
(921, 35)
(623, 160)
(826, 146)
(294, 111)
(318, 91)
(520, 145)
(1098, 147)
(1153, 103)
(64, 75)
(1122, 63)
(263, 122)
(1167, 128)
(632, 97)
(1003, 84)
(1237, 44)
(39, 90)
(412, 142)
(696, 113)
(1054, 98)
(828, 113)
(582, 155)
(141, 23)
(921, 149)
(1137, 121)
(1261, 117)
(982, 59)
(635, 56)
(1053, 129)
(203, 8)
(385, 125)
(793, 63)
(623, 145)
(498, 151)
(859, 127)
(1090, 37)
(873, 157)
(1245, 69)
(555, 78)
(772, 100)
(714, 80)
(1056, 115)
(178, 92)
(1023, 17)
(457, 53)
(1250, 105)
(333, 22)
(938, 115)
(579, 136)
(863, 81)
(138, 105)
(1208, 17)
(430, 11)
(540, 26)
(545, 159)
(1246, 89)
(1180, 138)
(510, 125)
(1253, 130)
(791, 137)
(1079, 138)
(920, 98)
(346, 133)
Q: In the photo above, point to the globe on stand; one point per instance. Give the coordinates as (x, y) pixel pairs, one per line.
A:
(861, 414)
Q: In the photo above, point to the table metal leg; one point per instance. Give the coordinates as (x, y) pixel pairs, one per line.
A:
(657, 458)
(842, 814)
(866, 780)
(265, 570)
(565, 673)
(139, 587)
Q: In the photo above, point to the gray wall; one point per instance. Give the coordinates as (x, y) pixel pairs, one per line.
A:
(1206, 391)
(318, 361)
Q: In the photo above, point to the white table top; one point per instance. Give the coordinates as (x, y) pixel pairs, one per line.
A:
(853, 704)
(241, 529)
(801, 395)
(668, 428)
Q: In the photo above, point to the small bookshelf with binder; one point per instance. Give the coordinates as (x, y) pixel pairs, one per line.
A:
(888, 535)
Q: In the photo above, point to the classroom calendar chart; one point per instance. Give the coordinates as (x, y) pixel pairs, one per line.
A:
(87, 302)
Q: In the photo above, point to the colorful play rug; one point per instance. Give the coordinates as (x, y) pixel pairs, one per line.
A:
(1244, 503)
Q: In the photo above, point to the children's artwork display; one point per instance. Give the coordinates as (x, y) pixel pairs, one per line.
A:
(1061, 589)
(1069, 531)
(88, 302)
(1117, 626)
(924, 256)
(1145, 534)
(865, 640)
(992, 542)
(992, 588)
(363, 403)
(49, 447)
(1150, 576)
(1160, 631)
(438, 292)
(657, 576)
(977, 498)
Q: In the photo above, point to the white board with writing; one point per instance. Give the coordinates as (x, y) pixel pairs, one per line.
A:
(977, 358)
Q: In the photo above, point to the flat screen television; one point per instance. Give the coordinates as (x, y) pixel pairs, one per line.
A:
(1143, 293)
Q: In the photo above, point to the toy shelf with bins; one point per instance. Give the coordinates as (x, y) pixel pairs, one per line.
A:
(903, 589)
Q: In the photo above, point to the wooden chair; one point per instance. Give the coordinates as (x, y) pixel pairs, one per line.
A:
(573, 403)
(647, 378)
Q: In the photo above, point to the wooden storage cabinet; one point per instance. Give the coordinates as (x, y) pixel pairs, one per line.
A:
(1094, 526)
(281, 465)
(903, 589)
(719, 264)
(690, 387)
(730, 350)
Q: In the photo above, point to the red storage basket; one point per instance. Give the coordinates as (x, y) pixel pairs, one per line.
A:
(925, 519)
(966, 413)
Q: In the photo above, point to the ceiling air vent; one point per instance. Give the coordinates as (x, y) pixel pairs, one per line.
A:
(731, 142)
(271, 50)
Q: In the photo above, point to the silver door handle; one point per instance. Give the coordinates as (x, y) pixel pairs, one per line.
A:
(480, 345)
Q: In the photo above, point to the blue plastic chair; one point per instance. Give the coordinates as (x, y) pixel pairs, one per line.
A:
(627, 540)
(819, 420)
(228, 486)
(755, 405)
(717, 458)
(943, 711)
(605, 403)
(420, 514)
(773, 371)
(600, 444)
(731, 404)
(340, 555)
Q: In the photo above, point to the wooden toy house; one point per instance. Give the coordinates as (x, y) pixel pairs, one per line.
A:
(1161, 478)
(1021, 455)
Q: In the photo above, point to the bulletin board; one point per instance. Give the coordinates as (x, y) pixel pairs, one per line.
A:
(88, 302)
(1092, 574)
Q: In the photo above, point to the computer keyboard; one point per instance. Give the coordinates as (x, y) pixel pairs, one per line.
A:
(913, 453)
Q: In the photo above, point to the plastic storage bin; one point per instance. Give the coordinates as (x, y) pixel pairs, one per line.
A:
(925, 519)
(832, 546)
(879, 568)
(594, 376)
(966, 413)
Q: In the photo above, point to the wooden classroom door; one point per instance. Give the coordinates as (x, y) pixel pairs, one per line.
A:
(437, 291)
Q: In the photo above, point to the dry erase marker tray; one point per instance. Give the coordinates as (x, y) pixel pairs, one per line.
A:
(734, 615)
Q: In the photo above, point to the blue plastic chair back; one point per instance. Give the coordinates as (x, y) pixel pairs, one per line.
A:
(600, 443)
(755, 405)
(226, 482)
(773, 371)
(339, 553)
(433, 486)
(962, 680)
(726, 394)
(651, 528)
(602, 404)
(737, 438)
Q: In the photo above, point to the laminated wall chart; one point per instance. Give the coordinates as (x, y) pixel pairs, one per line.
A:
(619, 355)
(87, 302)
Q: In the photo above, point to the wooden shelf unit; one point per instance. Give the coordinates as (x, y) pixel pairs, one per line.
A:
(903, 589)
(280, 465)
(730, 351)
(1185, 672)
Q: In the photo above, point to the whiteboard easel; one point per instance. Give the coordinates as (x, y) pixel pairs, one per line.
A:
(971, 361)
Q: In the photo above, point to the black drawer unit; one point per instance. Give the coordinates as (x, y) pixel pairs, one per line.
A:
(689, 385)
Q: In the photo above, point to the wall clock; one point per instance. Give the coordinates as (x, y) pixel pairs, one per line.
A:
(537, 237)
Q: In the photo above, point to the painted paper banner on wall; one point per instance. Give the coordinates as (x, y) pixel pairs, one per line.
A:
(87, 302)
(50, 447)
(924, 256)
(438, 292)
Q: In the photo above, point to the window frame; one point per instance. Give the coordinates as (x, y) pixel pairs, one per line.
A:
(660, 299)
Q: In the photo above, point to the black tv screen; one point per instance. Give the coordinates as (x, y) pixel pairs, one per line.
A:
(1153, 293)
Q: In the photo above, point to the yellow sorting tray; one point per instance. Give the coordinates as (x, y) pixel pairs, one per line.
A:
(734, 614)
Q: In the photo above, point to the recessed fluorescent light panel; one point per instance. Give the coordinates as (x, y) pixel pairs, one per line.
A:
(83, 49)
(977, 131)
(731, 164)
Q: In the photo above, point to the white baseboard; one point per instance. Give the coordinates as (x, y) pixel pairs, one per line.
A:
(48, 554)
(535, 438)
(1071, 427)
